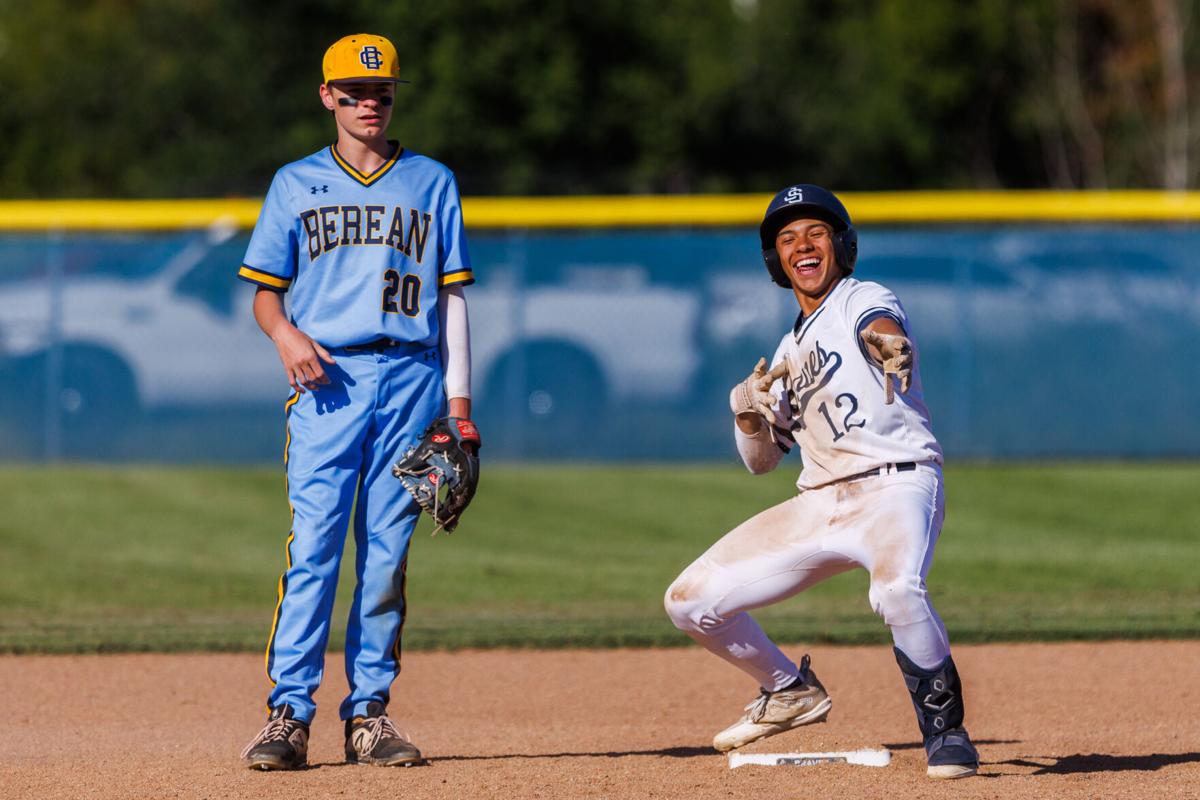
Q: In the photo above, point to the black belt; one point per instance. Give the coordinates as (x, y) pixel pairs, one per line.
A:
(379, 344)
(886, 469)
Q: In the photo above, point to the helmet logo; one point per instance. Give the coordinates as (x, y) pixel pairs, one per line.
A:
(794, 195)
(371, 57)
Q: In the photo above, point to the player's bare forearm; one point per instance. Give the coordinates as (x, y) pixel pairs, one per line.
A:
(268, 311)
(300, 355)
(886, 326)
(888, 345)
(461, 407)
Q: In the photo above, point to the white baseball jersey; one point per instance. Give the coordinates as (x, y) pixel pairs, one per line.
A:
(834, 403)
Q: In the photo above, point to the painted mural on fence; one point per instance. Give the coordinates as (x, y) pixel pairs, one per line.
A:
(1036, 341)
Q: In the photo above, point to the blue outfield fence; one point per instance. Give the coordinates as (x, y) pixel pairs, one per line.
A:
(1036, 340)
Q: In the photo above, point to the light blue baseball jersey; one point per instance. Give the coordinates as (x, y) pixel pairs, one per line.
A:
(363, 256)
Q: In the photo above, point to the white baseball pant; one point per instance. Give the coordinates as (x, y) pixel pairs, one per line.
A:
(888, 524)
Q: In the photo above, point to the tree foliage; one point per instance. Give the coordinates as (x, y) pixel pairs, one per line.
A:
(145, 98)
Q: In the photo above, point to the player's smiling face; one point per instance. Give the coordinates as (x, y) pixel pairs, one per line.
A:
(805, 248)
(361, 109)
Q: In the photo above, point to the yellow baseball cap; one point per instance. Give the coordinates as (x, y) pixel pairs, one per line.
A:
(361, 57)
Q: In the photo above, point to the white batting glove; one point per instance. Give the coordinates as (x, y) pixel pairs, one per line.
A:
(753, 395)
(896, 352)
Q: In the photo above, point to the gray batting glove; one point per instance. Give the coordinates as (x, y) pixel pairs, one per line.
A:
(896, 353)
(753, 395)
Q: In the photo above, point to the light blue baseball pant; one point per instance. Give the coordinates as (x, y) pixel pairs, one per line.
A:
(342, 439)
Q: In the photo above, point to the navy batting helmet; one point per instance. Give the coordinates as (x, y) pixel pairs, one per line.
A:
(807, 201)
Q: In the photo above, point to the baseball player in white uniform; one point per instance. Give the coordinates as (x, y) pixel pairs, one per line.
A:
(844, 386)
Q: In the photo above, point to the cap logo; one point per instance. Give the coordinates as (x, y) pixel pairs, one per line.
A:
(370, 57)
(794, 195)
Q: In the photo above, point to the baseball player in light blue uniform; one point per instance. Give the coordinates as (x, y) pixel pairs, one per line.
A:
(366, 239)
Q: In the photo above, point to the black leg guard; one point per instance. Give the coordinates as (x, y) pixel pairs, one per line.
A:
(938, 700)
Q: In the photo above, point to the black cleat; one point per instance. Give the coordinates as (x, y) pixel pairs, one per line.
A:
(374, 739)
(951, 755)
(281, 744)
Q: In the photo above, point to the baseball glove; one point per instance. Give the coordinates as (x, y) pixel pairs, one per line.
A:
(441, 471)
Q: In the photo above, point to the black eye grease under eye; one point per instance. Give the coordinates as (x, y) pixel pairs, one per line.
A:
(351, 102)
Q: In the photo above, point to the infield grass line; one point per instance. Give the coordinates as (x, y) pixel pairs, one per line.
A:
(158, 558)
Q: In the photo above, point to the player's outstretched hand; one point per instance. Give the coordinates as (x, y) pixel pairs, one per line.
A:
(302, 357)
(753, 395)
(895, 353)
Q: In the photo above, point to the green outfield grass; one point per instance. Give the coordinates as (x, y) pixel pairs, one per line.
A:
(168, 558)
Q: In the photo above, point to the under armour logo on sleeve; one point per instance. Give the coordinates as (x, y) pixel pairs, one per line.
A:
(321, 189)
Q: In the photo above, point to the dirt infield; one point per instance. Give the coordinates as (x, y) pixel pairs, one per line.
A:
(1074, 720)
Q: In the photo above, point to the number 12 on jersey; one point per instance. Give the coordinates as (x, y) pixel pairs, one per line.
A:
(401, 294)
(847, 423)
